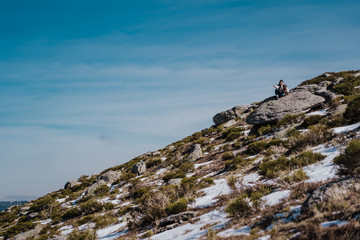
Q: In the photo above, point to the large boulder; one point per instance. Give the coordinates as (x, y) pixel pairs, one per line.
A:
(195, 153)
(273, 110)
(240, 112)
(139, 168)
(71, 184)
(110, 177)
(90, 191)
(326, 195)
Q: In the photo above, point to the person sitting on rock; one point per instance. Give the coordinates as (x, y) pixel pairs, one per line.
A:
(281, 89)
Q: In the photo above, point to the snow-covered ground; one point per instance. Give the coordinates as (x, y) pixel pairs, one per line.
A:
(346, 129)
(219, 188)
(194, 231)
(112, 232)
(275, 197)
(337, 223)
(235, 232)
(324, 169)
(320, 112)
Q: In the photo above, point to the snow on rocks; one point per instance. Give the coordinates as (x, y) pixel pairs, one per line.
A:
(337, 223)
(112, 232)
(44, 222)
(196, 166)
(320, 112)
(249, 180)
(275, 197)
(194, 231)
(61, 200)
(87, 226)
(346, 129)
(65, 230)
(211, 193)
(235, 232)
(324, 169)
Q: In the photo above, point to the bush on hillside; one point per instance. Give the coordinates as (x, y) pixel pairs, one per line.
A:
(177, 207)
(255, 147)
(85, 235)
(239, 207)
(311, 120)
(233, 133)
(349, 161)
(227, 156)
(352, 112)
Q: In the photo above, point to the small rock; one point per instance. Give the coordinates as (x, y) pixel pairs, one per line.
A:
(326, 75)
(310, 88)
(32, 215)
(236, 112)
(328, 95)
(71, 184)
(175, 181)
(28, 234)
(195, 153)
(139, 168)
(176, 218)
(339, 110)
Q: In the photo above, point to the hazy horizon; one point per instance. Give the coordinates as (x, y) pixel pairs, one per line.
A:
(86, 85)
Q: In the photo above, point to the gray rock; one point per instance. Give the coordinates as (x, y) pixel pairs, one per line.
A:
(32, 216)
(110, 177)
(339, 110)
(139, 168)
(310, 88)
(338, 80)
(273, 110)
(326, 75)
(195, 153)
(176, 218)
(230, 123)
(28, 234)
(328, 95)
(340, 189)
(235, 112)
(71, 184)
(174, 181)
(94, 186)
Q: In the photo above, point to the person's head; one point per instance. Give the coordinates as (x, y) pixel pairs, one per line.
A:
(281, 82)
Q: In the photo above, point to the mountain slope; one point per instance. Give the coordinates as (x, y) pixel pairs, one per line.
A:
(271, 178)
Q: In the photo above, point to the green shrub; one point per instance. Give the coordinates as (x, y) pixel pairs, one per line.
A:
(311, 120)
(275, 142)
(85, 235)
(335, 122)
(263, 130)
(256, 147)
(292, 133)
(18, 228)
(138, 193)
(352, 112)
(233, 133)
(153, 162)
(71, 213)
(102, 221)
(289, 119)
(227, 156)
(236, 162)
(186, 166)
(84, 220)
(177, 207)
(297, 176)
(42, 203)
(231, 181)
(272, 168)
(172, 175)
(91, 206)
(188, 186)
(306, 158)
(349, 161)
(236, 145)
(206, 182)
(101, 190)
(239, 207)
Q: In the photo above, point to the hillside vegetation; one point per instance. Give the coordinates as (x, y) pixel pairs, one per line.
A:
(295, 176)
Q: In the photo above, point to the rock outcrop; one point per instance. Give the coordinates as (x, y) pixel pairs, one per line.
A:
(139, 168)
(175, 220)
(94, 186)
(71, 184)
(195, 153)
(110, 177)
(333, 191)
(273, 110)
(240, 112)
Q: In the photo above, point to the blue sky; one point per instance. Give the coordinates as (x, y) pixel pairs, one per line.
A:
(86, 85)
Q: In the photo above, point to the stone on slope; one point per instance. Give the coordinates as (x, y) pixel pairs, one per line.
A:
(328, 95)
(94, 186)
(139, 168)
(273, 110)
(195, 153)
(235, 112)
(339, 189)
(71, 184)
(110, 177)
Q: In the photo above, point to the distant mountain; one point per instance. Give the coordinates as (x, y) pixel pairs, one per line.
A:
(281, 168)
(5, 205)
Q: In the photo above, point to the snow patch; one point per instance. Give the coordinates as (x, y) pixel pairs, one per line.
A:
(235, 232)
(275, 197)
(320, 112)
(65, 230)
(337, 223)
(346, 129)
(196, 166)
(110, 232)
(211, 193)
